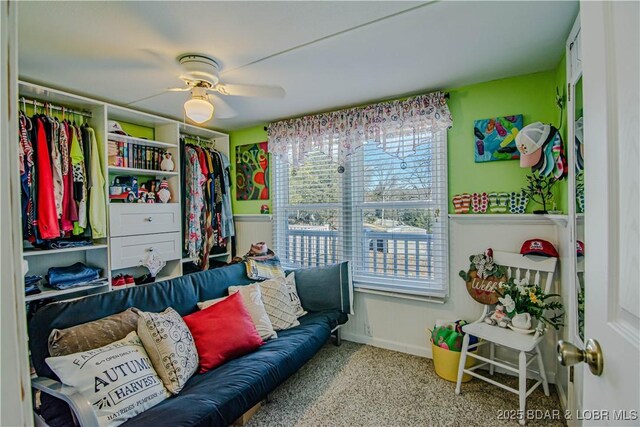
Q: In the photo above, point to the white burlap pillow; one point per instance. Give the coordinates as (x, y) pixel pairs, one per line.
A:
(118, 379)
(252, 299)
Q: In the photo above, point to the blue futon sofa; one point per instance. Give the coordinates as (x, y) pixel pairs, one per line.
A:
(217, 397)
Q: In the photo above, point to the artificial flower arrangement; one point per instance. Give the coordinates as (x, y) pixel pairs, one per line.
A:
(518, 296)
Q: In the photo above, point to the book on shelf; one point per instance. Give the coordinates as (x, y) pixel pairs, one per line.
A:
(134, 156)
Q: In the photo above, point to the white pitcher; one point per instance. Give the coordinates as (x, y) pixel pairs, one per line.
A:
(521, 321)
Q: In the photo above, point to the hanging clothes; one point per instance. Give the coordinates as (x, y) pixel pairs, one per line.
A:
(69, 209)
(54, 160)
(46, 216)
(227, 227)
(97, 197)
(27, 171)
(79, 181)
(56, 163)
(194, 180)
(208, 215)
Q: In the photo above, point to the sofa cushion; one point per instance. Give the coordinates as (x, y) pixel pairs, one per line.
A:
(325, 288)
(90, 335)
(170, 346)
(218, 397)
(223, 332)
(118, 379)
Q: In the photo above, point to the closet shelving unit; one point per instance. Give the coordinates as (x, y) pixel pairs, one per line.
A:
(97, 255)
(220, 142)
(133, 229)
(136, 229)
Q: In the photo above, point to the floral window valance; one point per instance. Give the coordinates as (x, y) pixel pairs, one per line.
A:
(341, 133)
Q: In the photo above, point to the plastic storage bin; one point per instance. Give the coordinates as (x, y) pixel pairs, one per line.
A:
(446, 364)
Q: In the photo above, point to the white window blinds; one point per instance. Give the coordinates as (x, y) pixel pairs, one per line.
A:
(384, 210)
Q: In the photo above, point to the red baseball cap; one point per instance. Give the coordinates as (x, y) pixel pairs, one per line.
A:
(538, 247)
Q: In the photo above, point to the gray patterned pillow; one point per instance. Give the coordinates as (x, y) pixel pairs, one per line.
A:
(293, 295)
(170, 346)
(275, 296)
(90, 335)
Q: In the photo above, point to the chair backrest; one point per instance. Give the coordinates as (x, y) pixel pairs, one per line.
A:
(538, 269)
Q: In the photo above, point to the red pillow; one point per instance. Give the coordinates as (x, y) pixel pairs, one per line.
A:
(223, 332)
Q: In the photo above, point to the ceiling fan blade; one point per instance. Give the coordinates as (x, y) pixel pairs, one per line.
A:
(222, 109)
(148, 97)
(250, 90)
(179, 89)
(162, 60)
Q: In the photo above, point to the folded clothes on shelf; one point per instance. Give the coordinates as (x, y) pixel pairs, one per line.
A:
(31, 285)
(77, 274)
(96, 282)
(68, 243)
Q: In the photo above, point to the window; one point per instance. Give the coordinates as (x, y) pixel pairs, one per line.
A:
(385, 211)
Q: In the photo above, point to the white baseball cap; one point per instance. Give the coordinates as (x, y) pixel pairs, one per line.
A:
(114, 127)
(530, 141)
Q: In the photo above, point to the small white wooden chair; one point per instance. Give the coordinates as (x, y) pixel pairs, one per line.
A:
(518, 266)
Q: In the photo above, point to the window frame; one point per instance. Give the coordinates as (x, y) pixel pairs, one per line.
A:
(352, 206)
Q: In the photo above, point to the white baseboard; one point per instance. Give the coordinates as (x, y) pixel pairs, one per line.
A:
(387, 344)
(414, 350)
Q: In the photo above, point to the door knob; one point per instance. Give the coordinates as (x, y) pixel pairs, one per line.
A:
(569, 354)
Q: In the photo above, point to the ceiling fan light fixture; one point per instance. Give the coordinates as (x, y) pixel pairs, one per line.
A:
(198, 108)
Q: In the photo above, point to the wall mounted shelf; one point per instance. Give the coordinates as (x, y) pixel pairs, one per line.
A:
(520, 219)
(253, 217)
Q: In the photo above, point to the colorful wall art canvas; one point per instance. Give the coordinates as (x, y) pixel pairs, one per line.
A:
(495, 138)
(252, 172)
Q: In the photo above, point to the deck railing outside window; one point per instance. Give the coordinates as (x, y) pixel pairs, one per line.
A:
(406, 255)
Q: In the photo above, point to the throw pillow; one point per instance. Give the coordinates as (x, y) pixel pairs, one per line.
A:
(170, 346)
(277, 302)
(208, 303)
(223, 332)
(118, 379)
(90, 335)
(293, 295)
(252, 299)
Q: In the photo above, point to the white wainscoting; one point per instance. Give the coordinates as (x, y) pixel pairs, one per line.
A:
(252, 229)
(400, 324)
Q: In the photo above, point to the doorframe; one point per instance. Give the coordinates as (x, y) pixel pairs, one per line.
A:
(15, 385)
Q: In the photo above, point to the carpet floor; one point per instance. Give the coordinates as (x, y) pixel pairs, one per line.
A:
(360, 385)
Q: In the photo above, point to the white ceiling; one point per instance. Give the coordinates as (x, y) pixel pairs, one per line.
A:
(125, 51)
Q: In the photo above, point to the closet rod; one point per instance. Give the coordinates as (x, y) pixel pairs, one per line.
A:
(37, 103)
(197, 139)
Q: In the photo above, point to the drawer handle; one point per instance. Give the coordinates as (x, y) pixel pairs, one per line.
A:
(149, 219)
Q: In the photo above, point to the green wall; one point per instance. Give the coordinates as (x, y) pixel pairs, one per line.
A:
(531, 95)
(244, 137)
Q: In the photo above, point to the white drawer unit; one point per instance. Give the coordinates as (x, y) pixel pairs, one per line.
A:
(131, 250)
(127, 219)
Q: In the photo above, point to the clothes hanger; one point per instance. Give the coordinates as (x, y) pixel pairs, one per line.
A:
(24, 116)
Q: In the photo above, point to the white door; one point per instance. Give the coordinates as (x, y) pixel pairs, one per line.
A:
(610, 63)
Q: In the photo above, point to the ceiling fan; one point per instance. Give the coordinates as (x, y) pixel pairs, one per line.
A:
(201, 75)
